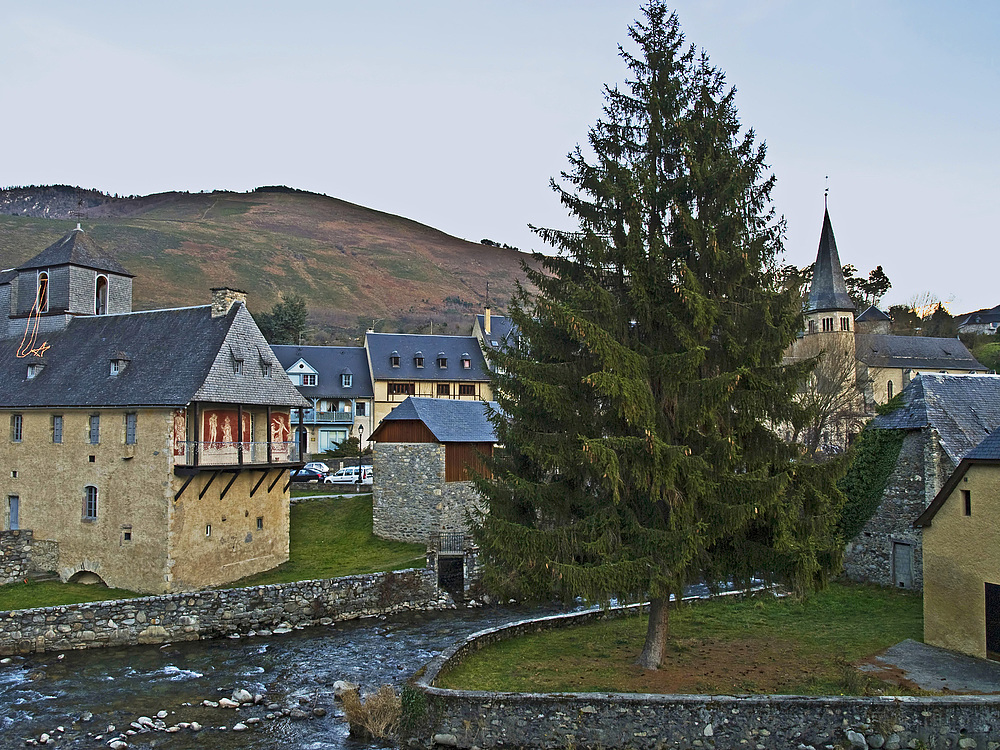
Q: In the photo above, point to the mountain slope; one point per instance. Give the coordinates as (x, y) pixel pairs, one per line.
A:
(352, 264)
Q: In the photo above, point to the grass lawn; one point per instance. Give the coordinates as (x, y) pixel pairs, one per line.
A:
(329, 537)
(724, 646)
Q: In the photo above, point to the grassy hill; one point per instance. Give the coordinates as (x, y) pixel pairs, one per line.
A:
(352, 264)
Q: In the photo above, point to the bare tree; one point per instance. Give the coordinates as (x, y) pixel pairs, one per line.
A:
(834, 401)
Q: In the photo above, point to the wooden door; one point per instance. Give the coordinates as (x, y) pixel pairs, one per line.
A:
(902, 565)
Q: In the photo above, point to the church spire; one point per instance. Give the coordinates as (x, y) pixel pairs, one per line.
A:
(828, 290)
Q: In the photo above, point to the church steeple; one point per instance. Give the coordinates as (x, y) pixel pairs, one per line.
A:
(828, 291)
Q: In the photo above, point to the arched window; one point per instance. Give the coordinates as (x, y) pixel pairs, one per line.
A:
(43, 292)
(101, 296)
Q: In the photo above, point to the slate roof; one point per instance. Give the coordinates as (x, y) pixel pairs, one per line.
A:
(381, 345)
(78, 249)
(962, 409)
(449, 420)
(979, 317)
(330, 362)
(988, 449)
(8, 276)
(828, 290)
(175, 356)
(502, 330)
(873, 315)
(915, 352)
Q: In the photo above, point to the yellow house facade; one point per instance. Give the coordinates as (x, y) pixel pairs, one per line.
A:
(961, 550)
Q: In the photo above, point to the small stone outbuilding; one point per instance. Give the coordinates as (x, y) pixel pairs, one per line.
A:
(961, 541)
(943, 417)
(425, 451)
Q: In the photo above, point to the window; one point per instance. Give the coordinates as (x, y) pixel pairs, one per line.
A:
(265, 369)
(442, 360)
(967, 499)
(126, 536)
(13, 512)
(402, 389)
(130, 424)
(444, 389)
(466, 389)
(101, 296)
(466, 361)
(418, 359)
(845, 324)
(812, 326)
(95, 429)
(308, 378)
(260, 523)
(888, 390)
(237, 366)
(361, 408)
(90, 503)
(346, 380)
(394, 359)
(57, 427)
(116, 367)
(208, 530)
(42, 299)
(16, 427)
(827, 324)
(33, 370)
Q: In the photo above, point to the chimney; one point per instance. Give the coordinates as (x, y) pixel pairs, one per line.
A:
(486, 321)
(223, 298)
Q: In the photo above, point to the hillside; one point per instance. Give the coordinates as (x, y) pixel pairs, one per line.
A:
(352, 264)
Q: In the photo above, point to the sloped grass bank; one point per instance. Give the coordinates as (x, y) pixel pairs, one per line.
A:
(722, 646)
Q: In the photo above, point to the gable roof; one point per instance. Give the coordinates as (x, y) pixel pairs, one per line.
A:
(78, 249)
(380, 347)
(828, 290)
(174, 357)
(990, 315)
(873, 315)
(330, 362)
(449, 420)
(915, 352)
(987, 452)
(962, 409)
(502, 330)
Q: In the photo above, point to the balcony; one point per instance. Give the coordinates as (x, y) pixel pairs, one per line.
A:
(192, 453)
(312, 416)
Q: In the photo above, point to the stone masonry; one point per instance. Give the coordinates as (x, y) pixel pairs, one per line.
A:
(15, 555)
(213, 613)
(411, 500)
(465, 719)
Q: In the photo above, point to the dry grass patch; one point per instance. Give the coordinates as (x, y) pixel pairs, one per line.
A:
(377, 716)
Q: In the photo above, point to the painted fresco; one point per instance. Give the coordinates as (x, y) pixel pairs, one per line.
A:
(218, 427)
(180, 432)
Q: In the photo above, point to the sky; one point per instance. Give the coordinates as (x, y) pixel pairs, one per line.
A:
(457, 114)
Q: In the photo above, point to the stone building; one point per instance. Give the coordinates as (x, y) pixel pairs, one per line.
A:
(405, 364)
(424, 450)
(961, 542)
(943, 417)
(153, 447)
(338, 385)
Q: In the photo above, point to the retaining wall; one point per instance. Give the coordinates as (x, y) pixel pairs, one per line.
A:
(465, 719)
(15, 555)
(214, 613)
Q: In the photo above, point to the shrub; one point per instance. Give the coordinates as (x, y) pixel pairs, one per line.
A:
(378, 716)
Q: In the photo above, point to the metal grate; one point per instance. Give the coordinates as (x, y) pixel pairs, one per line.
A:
(449, 541)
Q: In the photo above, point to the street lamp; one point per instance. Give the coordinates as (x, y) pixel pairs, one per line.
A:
(361, 432)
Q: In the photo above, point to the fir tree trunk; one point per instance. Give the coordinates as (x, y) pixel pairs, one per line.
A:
(656, 634)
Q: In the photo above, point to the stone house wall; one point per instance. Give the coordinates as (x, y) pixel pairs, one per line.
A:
(411, 500)
(15, 555)
(466, 719)
(210, 614)
(921, 470)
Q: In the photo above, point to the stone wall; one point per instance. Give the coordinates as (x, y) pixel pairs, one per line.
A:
(466, 719)
(920, 470)
(210, 614)
(411, 500)
(15, 555)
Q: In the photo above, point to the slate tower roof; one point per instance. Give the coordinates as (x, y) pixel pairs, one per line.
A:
(77, 249)
(828, 290)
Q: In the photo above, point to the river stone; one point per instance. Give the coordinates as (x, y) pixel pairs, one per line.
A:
(44, 738)
(876, 741)
(117, 744)
(240, 727)
(195, 726)
(161, 714)
(298, 713)
(856, 739)
(343, 686)
(226, 703)
(242, 696)
(319, 711)
(210, 704)
(86, 716)
(446, 739)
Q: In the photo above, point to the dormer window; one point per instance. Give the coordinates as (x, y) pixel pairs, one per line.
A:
(42, 298)
(442, 360)
(34, 369)
(394, 359)
(308, 378)
(346, 380)
(466, 361)
(101, 296)
(418, 359)
(119, 362)
(265, 369)
(237, 367)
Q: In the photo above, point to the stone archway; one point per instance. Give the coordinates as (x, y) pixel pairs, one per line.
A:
(87, 577)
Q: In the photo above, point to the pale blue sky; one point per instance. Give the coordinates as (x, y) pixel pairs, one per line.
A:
(456, 114)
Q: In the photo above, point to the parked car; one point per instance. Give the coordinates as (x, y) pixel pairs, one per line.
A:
(349, 475)
(318, 466)
(307, 475)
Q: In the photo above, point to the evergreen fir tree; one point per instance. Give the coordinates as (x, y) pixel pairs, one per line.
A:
(637, 455)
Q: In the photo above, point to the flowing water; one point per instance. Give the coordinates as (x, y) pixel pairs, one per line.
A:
(43, 692)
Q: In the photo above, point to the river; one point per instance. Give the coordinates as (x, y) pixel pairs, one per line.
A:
(43, 692)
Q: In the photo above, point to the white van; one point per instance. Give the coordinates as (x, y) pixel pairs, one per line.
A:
(349, 475)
